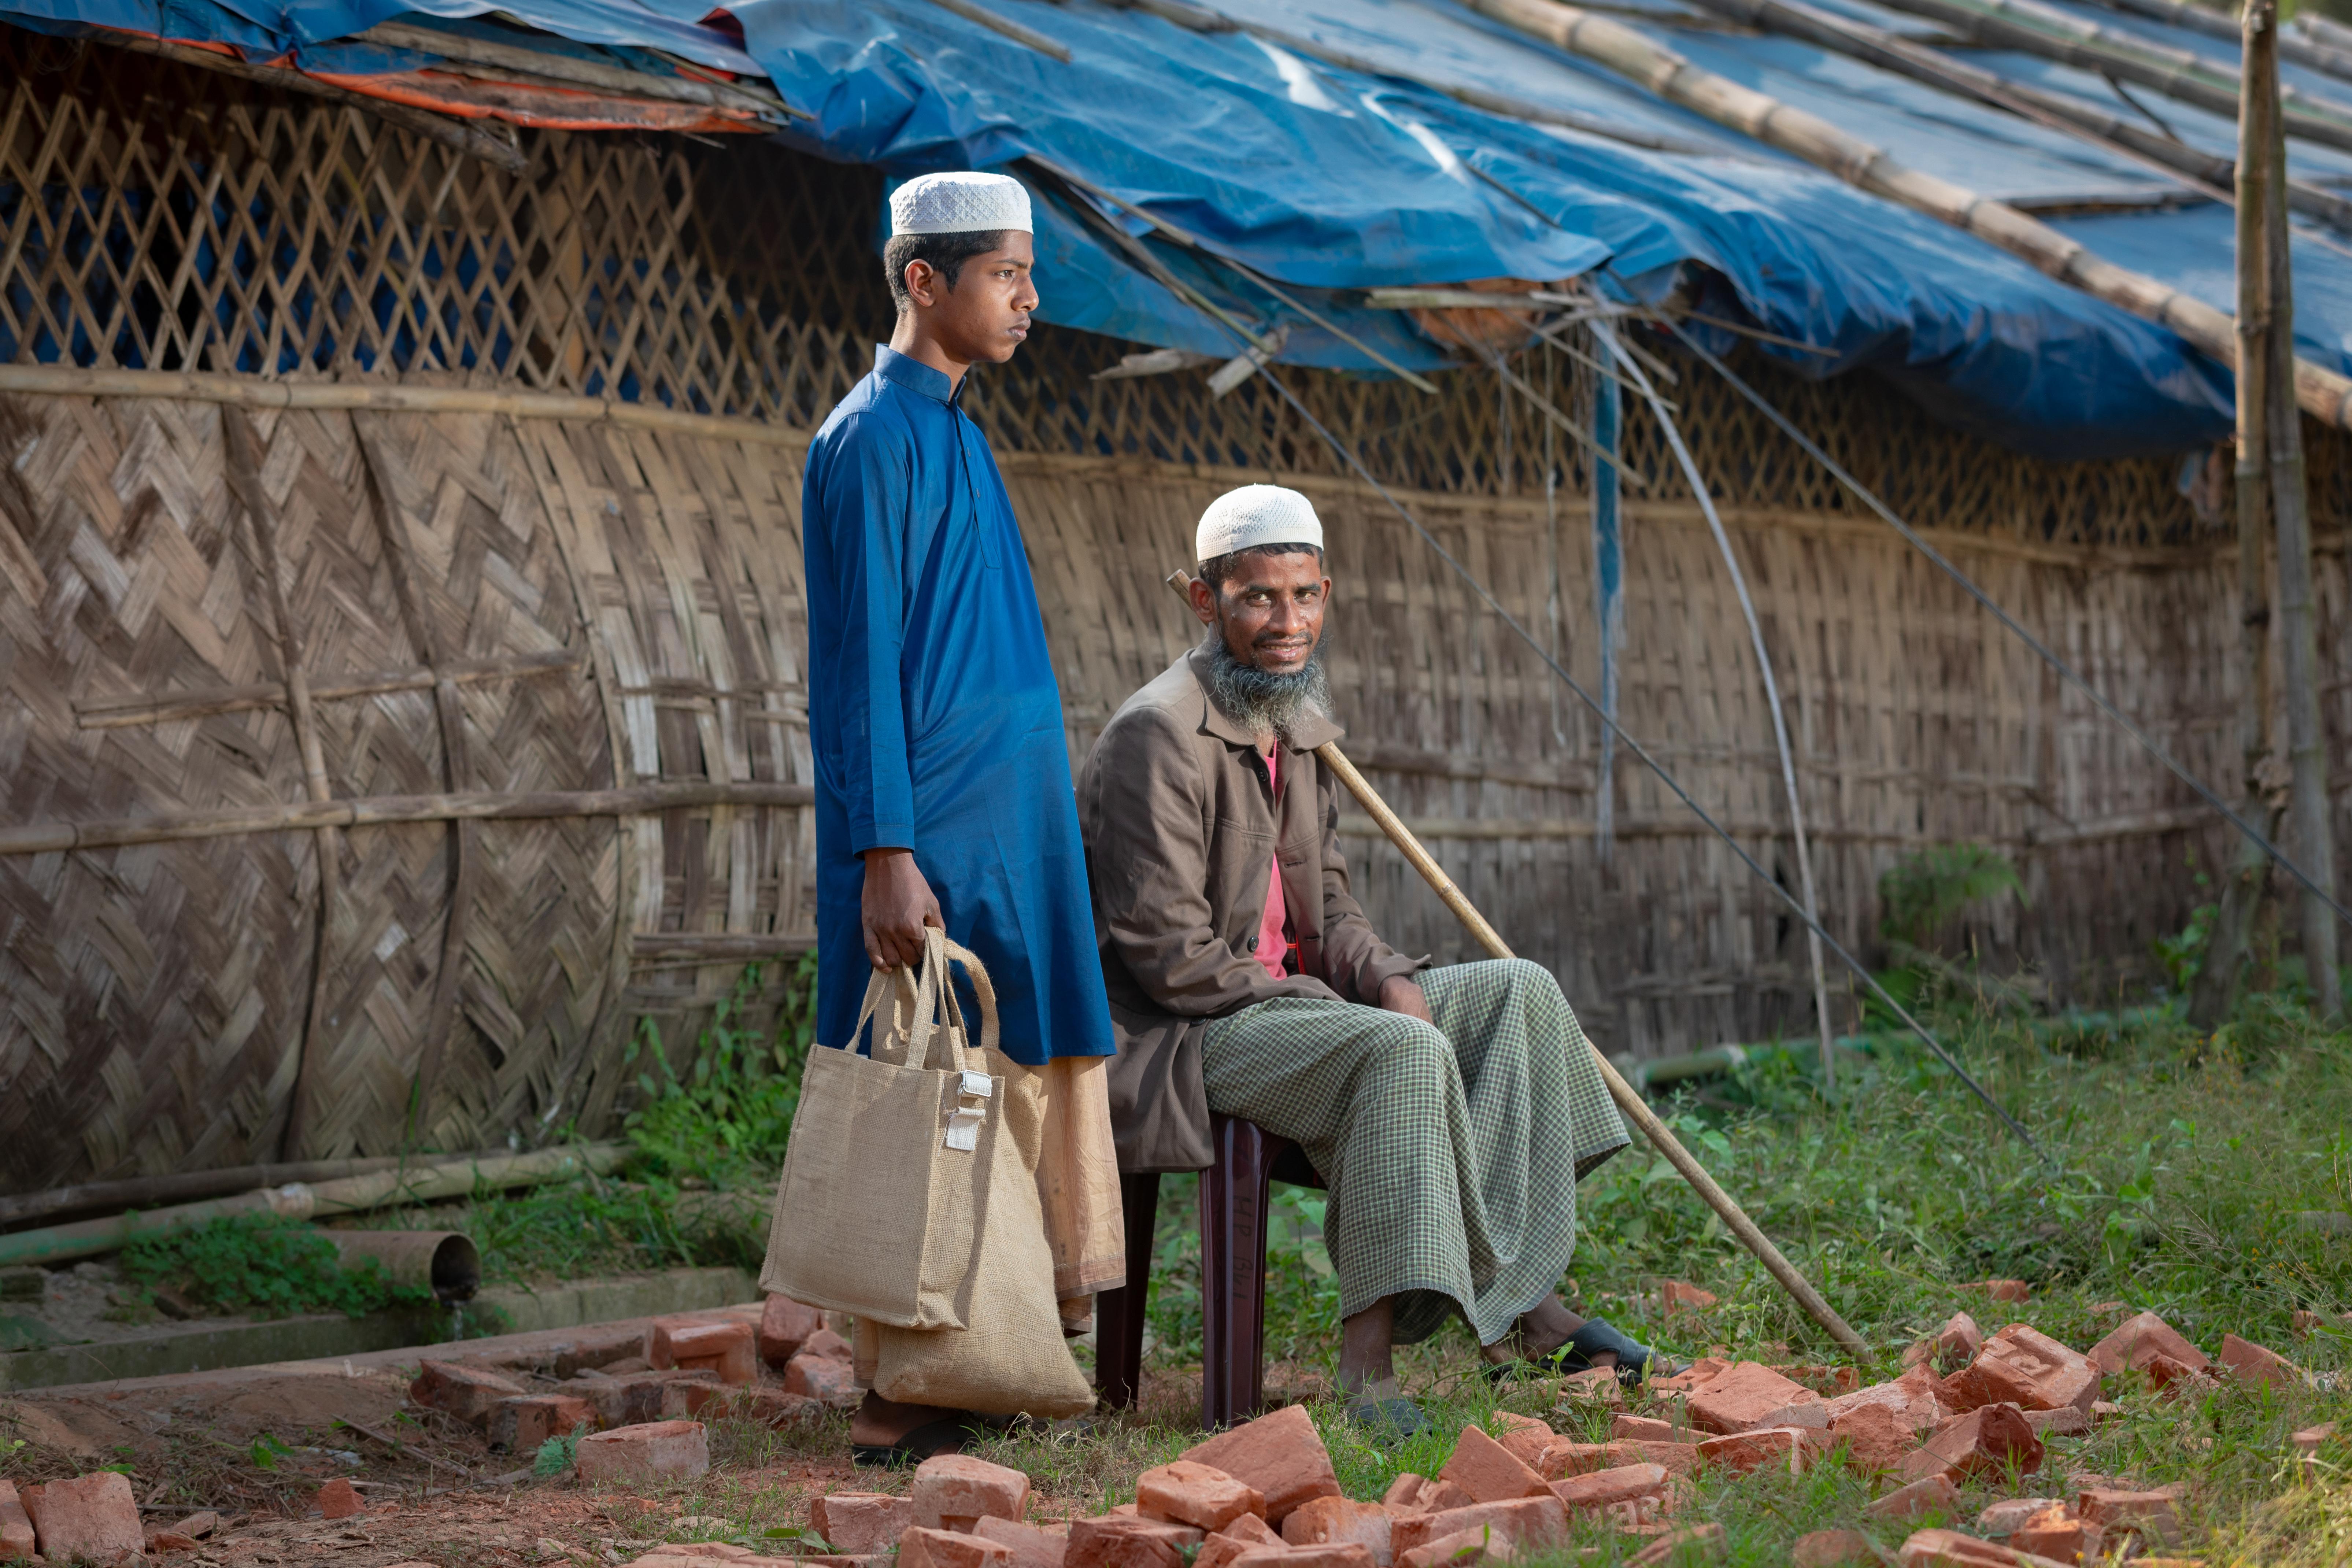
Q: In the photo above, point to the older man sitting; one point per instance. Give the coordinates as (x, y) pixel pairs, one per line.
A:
(1450, 1110)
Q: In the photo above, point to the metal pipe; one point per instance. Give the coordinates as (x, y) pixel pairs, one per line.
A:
(298, 1200)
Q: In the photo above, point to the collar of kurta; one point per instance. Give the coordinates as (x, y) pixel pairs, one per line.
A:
(906, 371)
(1309, 732)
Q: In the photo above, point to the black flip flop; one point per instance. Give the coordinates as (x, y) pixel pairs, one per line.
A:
(948, 1434)
(1635, 1361)
(1395, 1417)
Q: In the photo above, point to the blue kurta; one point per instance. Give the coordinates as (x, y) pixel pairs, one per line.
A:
(934, 717)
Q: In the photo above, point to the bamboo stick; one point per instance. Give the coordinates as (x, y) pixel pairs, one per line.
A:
(384, 810)
(2324, 393)
(458, 135)
(2269, 273)
(161, 708)
(2311, 52)
(387, 397)
(1027, 37)
(1629, 1100)
(2208, 173)
(513, 61)
(2176, 73)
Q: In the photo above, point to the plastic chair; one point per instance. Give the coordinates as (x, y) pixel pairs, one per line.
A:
(1233, 1193)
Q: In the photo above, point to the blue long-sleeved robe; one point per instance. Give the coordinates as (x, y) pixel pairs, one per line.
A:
(934, 717)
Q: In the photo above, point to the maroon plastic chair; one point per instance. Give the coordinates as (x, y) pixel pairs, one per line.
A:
(1233, 1193)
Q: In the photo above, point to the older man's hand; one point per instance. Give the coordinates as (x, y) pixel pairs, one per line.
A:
(1399, 995)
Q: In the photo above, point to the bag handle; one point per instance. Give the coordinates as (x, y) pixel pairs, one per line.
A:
(934, 1002)
(983, 987)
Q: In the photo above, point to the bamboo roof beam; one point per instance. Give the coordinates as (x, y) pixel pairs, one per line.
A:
(2210, 172)
(2314, 52)
(2178, 73)
(2324, 393)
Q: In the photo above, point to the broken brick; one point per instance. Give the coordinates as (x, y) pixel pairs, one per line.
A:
(1563, 1459)
(1832, 1549)
(2057, 1531)
(1488, 1471)
(1959, 1341)
(339, 1499)
(1602, 1487)
(632, 1399)
(1951, 1549)
(1934, 1494)
(1461, 1548)
(1876, 1441)
(520, 1425)
(2001, 1289)
(465, 1392)
(1777, 1447)
(1526, 1435)
(2069, 1422)
(1031, 1547)
(730, 1348)
(1648, 1430)
(1989, 1440)
(952, 1491)
(1594, 1386)
(1329, 1554)
(2003, 1517)
(2133, 1341)
(1122, 1541)
(1405, 1492)
(657, 1451)
(1437, 1496)
(1526, 1522)
(829, 1346)
(1829, 1381)
(1195, 1494)
(93, 1516)
(1280, 1454)
(785, 1326)
(2150, 1512)
(1240, 1536)
(2251, 1362)
(774, 1407)
(1681, 1296)
(1743, 1396)
(860, 1524)
(1322, 1520)
(1914, 1398)
(922, 1548)
(1688, 1545)
(824, 1378)
(2309, 1439)
(16, 1525)
(2023, 1367)
(1168, 1530)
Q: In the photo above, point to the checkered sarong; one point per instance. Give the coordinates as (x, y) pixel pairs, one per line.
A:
(1452, 1153)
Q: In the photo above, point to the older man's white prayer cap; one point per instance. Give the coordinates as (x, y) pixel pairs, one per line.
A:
(1253, 516)
(962, 203)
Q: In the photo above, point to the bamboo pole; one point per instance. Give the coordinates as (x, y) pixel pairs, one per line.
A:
(1889, 51)
(1629, 1099)
(458, 135)
(384, 810)
(2312, 51)
(2269, 271)
(2324, 393)
(2182, 74)
(514, 61)
(385, 397)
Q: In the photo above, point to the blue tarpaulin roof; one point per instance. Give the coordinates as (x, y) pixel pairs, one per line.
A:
(1335, 180)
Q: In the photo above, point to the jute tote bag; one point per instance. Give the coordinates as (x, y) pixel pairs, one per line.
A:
(1009, 1356)
(875, 1214)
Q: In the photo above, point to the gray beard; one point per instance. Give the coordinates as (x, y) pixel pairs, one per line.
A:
(1261, 702)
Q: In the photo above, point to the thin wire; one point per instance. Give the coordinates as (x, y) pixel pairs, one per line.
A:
(2254, 835)
(1346, 454)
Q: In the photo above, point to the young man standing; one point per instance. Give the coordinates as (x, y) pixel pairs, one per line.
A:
(942, 778)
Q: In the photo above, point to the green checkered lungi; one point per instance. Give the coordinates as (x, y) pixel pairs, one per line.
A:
(1452, 1153)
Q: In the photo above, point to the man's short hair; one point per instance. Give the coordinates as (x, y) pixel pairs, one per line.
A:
(1219, 570)
(947, 252)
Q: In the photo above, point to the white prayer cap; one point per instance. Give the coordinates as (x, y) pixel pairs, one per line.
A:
(1256, 515)
(962, 202)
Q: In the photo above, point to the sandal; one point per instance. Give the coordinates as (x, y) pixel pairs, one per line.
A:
(1388, 1413)
(948, 1434)
(1635, 1361)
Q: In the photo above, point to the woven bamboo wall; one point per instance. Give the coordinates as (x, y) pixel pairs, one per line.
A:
(498, 604)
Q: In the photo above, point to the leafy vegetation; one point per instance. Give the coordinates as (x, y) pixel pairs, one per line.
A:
(723, 1123)
(265, 1266)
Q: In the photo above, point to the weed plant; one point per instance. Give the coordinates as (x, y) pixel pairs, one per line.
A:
(264, 1266)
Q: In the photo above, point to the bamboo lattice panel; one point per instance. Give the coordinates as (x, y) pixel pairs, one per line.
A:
(630, 607)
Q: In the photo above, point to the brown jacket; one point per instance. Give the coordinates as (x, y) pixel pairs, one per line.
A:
(1181, 828)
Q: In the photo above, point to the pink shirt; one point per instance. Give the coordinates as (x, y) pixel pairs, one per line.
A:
(1273, 947)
